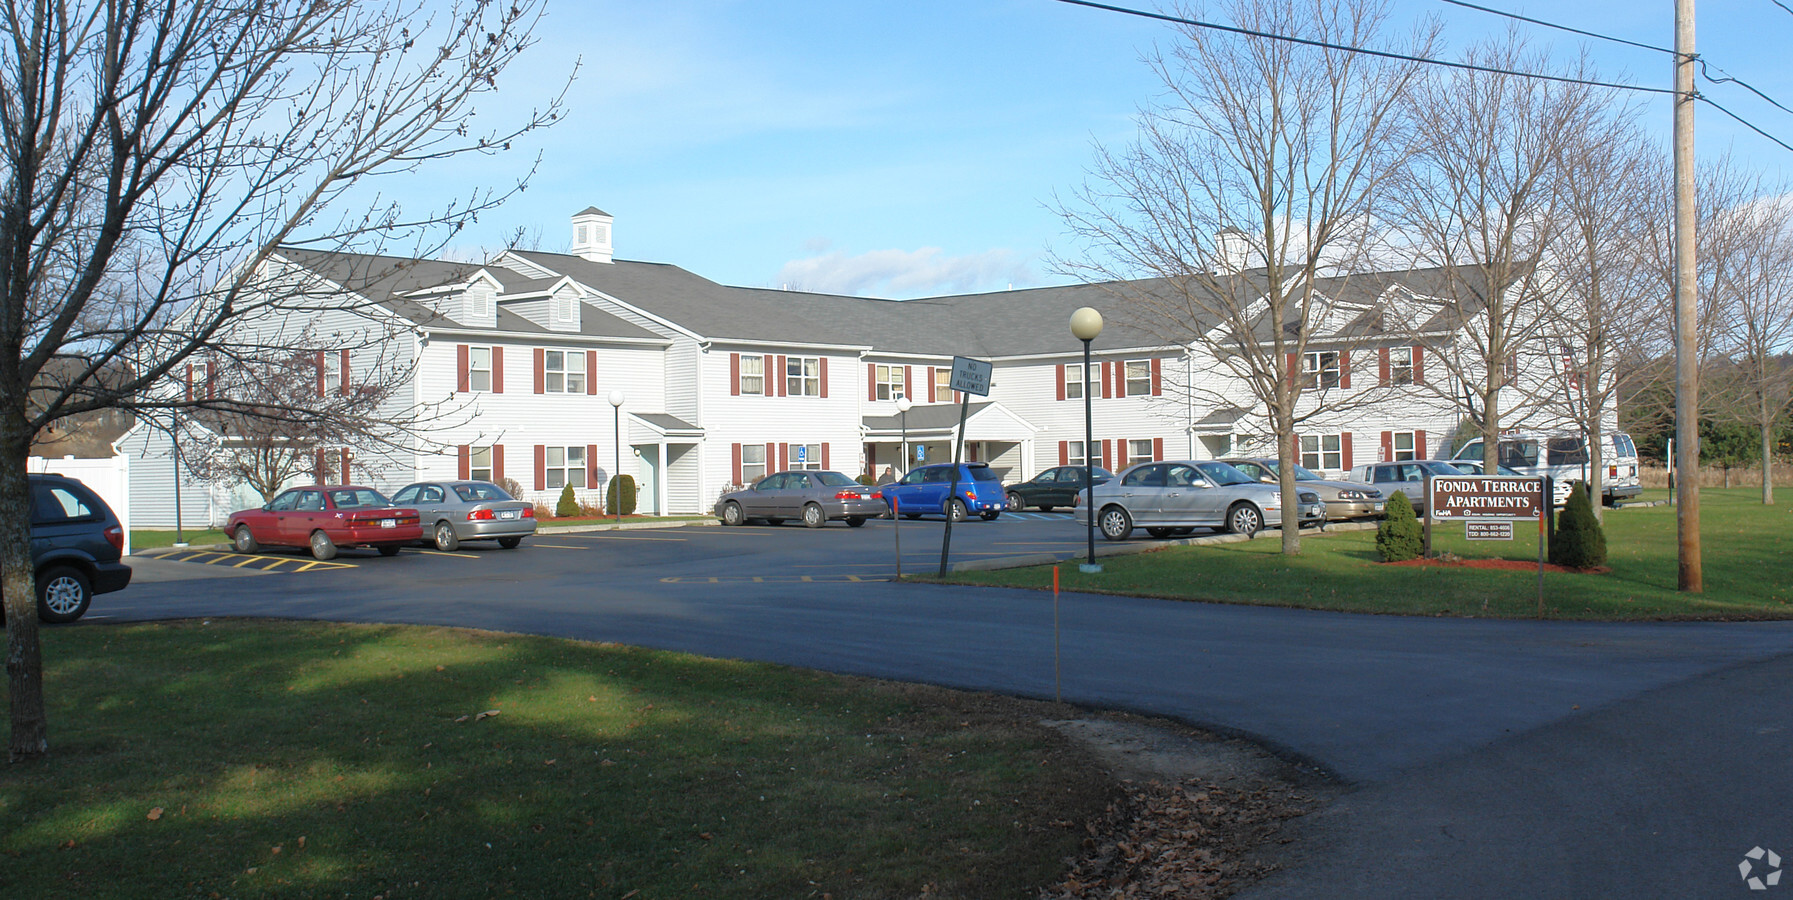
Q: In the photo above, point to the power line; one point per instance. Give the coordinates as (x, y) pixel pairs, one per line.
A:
(1603, 37)
(1782, 5)
(1385, 54)
(1742, 121)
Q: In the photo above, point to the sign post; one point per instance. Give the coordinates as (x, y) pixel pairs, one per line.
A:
(970, 376)
(1488, 507)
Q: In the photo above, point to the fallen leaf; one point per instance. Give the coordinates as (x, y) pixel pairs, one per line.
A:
(549, 762)
(440, 668)
(486, 715)
(155, 814)
(301, 842)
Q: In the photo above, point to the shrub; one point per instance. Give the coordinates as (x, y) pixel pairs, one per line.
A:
(1398, 536)
(1579, 543)
(866, 479)
(511, 487)
(568, 505)
(624, 504)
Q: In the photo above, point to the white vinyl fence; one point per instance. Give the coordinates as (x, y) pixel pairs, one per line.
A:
(109, 478)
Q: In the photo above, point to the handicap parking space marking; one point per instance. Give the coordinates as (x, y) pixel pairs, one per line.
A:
(446, 553)
(246, 561)
(773, 579)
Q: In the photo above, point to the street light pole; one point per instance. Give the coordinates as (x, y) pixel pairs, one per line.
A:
(1086, 324)
(616, 405)
(896, 531)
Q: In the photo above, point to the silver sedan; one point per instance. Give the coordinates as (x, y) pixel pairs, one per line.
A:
(456, 511)
(815, 496)
(1343, 499)
(1179, 496)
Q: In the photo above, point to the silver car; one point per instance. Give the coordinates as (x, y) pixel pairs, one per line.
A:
(1343, 499)
(816, 496)
(456, 511)
(1178, 496)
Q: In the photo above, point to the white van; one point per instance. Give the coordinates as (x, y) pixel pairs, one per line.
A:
(1564, 457)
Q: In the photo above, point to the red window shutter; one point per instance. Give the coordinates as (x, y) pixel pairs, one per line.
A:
(460, 363)
(1388, 446)
(1157, 377)
(591, 372)
(734, 452)
(1107, 381)
(190, 381)
(1294, 363)
(344, 373)
(825, 456)
(498, 370)
(782, 381)
(344, 470)
(734, 382)
(1419, 365)
(1419, 446)
(1345, 370)
(1157, 449)
(323, 389)
(1120, 379)
(465, 453)
(871, 381)
(1345, 451)
(931, 395)
(541, 467)
(1064, 450)
(1120, 454)
(784, 456)
(957, 396)
(323, 466)
(909, 385)
(591, 466)
(1382, 367)
(497, 462)
(541, 370)
(823, 365)
(1061, 382)
(211, 377)
(771, 457)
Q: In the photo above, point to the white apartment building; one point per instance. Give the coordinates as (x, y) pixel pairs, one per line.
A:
(720, 385)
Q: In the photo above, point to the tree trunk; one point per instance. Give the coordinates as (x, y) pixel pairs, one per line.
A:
(24, 658)
(1596, 470)
(1285, 484)
(1767, 458)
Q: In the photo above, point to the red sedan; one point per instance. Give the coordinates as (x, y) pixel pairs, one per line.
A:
(323, 518)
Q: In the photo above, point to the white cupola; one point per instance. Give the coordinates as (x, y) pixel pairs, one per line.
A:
(592, 235)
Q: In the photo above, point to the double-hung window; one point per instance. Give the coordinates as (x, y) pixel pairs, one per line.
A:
(889, 382)
(809, 458)
(753, 463)
(1139, 377)
(1075, 382)
(479, 368)
(1405, 446)
(563, 372)
(1139, 449)
(1320, 370)
(803, 376)
(943, 385)
(1074, 453)
(565, 465)
(753, 375)
(1323, 451)
(479, 464)
(1400, 365)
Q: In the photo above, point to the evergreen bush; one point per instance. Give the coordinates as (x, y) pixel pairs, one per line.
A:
(1398, 535)
(568, 506)
(1580, 542)
(624, 505)
(866, 479)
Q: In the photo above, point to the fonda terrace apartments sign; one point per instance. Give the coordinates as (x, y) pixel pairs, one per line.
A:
(1483, 497)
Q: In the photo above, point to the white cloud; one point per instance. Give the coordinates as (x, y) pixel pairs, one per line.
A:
(904, 273)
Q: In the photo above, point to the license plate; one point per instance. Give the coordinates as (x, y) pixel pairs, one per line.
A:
(1378, 507)
(507, 514)
(388, 523)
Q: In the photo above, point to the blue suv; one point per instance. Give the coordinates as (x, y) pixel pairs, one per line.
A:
(925, 491)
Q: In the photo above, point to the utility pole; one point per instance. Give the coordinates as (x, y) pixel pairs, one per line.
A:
(1687, 388)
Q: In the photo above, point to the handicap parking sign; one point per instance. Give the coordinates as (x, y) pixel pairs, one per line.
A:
(921, 453)
(802, 453)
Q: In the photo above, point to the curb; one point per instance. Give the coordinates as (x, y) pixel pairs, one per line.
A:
(1109, 548)
(626, 526)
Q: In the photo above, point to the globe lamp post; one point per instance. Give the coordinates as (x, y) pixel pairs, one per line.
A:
(1086, 324)
(616, 405)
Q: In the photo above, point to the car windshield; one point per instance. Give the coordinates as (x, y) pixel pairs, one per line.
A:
(1221, 473)
(1439, 468)
(357, 498)
(833, 479)
(1301, 472)
(480, 492)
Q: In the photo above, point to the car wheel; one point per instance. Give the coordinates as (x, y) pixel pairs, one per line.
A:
(321, 546)
(1045, 509)
(1115, 523)
(955, 510)
(774, 521)
(446, 540)
(1016, 504)
(1244, 519)
(911, 515)
(1182, 531)
(732, 514)
(510, 543)
(244, 541)
(855, 521)
(62, 595)
(1160, 532)
(813, 517)
(390, 549)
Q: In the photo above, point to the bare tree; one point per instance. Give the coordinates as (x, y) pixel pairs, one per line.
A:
(1256, 176)
(1600, 299)
(1756, 324)
(161, 153)
(1482, 202)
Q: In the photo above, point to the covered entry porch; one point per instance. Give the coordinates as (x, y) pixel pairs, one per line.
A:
(668, 462)
(994, 434)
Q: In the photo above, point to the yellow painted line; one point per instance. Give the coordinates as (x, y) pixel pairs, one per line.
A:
(246, 561)
(456, 555)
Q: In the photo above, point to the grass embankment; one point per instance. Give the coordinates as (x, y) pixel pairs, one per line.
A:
(150, 539)
(304, 760)
(1743, 544)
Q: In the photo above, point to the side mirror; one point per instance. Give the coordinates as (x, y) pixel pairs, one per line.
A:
(1266, 479)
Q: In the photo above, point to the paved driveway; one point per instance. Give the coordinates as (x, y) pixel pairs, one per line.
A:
(1459, 731)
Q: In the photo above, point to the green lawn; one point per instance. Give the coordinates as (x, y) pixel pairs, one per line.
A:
(149, 539)
(258, 759)
(1745, 576)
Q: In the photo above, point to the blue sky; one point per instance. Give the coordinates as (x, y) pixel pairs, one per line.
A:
(907, 149)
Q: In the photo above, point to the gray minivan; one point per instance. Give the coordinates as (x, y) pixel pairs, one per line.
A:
(77, 545)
